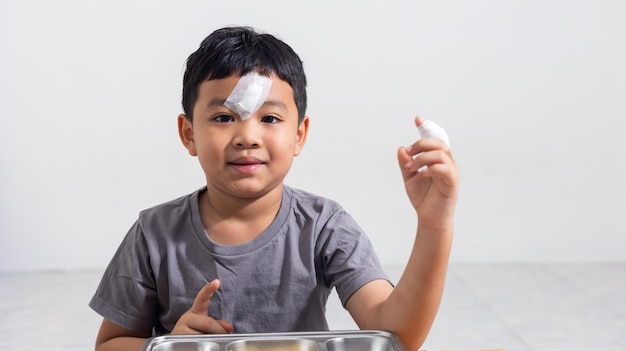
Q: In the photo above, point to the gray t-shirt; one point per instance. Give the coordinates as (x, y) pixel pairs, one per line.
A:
(278, 282)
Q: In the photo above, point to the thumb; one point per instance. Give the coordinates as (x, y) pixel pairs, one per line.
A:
(228, 328)
(201, 302)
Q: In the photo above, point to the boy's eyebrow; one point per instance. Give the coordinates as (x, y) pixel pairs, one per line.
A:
(220, 102)
(276, 103)
(216, 102)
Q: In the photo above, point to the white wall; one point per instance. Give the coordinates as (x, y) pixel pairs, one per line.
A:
(532, 93)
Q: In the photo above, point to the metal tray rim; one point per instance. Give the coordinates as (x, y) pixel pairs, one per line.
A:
(314, 335)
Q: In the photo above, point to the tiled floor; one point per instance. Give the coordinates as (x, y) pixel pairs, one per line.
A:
(517, 307)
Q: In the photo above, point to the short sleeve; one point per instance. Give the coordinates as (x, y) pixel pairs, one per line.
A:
(126, 294)
(348, 257)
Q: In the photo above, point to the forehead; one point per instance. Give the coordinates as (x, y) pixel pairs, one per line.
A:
(220, 90)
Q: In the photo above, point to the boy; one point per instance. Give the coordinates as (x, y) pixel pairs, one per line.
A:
(247, 253)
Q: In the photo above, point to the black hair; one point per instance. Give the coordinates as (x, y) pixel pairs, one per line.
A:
(239, 50)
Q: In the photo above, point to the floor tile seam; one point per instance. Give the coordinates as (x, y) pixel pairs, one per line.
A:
(488, 307)
(583, 291)
(44, 346)
(503, 319)
(53, 271)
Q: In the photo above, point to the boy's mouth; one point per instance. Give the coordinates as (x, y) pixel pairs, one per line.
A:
(246, 164)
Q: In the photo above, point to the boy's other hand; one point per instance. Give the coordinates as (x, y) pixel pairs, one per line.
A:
(196, 320)
(431, 180)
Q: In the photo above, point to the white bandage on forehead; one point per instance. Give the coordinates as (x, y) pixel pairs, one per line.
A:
(430, 129)
(249, 94)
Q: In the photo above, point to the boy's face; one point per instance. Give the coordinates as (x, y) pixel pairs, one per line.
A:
(245, 158)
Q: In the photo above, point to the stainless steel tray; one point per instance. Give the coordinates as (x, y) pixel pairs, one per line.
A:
(361, 340)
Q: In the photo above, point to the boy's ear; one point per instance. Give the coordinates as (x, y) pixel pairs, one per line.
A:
(303, 131)
(185, 131)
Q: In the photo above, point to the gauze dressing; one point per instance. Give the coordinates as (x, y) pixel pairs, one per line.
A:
(249, 94)
(430, 129)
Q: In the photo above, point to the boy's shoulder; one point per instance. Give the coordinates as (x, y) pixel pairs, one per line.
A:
(304, 195)
(177, 206)
(305, 199)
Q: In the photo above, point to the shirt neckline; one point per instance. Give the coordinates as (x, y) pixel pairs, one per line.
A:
(232, 250)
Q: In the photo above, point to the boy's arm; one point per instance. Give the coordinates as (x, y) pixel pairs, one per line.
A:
(112, 337)
(409, 309)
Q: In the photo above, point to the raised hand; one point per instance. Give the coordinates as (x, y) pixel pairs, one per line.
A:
(196, 320)
(431, 179)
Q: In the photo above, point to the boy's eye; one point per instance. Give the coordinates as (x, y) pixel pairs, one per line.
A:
(224, 119)
(269, 119)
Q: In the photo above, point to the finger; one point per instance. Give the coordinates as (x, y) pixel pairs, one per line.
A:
(419, 121)
(430, 129)
(212, 326)
(408, 157)
(405, 161)
(228, 328)
(203, 298)
(407, 168)
(192, 323)
(428, 159)
(423, 145)
(445, 178)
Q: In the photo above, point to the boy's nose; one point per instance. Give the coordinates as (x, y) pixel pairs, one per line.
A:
(247, 134)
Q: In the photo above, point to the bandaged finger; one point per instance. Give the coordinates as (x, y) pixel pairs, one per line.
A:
(430, 129)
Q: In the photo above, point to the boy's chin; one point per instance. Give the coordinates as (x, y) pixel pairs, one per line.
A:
(253, 190)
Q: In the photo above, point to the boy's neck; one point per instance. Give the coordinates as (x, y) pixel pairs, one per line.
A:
(230, 220)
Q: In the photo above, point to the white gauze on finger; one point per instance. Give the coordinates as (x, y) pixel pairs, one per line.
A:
(249, 94)
(430, 129)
